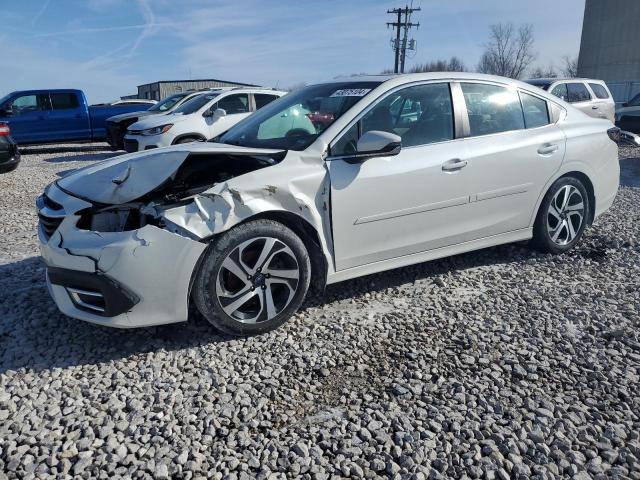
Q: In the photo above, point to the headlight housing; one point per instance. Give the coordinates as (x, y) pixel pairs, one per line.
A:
(156, 130)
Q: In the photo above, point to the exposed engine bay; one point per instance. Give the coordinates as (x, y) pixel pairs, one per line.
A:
(197, 174)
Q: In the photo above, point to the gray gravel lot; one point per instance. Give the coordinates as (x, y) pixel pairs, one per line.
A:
(500, 363)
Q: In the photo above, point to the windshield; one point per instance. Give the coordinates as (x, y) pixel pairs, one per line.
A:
(294, 121)
(167, 103)
(4, 100)
(196, 103)
(634, 102)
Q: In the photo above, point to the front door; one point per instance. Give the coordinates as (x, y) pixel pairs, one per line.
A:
(236, 106)
(28, 117)
(388, 207)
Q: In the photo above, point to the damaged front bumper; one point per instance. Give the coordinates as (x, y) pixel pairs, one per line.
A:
(124, 279)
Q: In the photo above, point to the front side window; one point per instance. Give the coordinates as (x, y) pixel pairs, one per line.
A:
(64, 101)
(577, 92)
(492, 109)
(420, 115)
(560, 91)
(294, 121)
(599, 91)
(536, 111)
(28, 103)
(237, 103)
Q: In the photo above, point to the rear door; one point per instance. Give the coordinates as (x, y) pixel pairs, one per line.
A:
(512, 150)
(603, 100)
(28, 117)
(68, 118)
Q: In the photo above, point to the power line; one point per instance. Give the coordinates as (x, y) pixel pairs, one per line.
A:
(401, 45)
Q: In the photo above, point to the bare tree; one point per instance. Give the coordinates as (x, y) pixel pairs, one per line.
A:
(540, 72)
(570, 66)
(509, 52)
(454, 64)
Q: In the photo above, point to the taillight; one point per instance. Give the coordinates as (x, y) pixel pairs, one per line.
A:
(614, 134)
(4, 130)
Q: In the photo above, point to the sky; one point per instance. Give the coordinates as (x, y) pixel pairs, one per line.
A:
(108, 47)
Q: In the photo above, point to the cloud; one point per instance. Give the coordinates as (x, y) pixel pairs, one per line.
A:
(40, 12)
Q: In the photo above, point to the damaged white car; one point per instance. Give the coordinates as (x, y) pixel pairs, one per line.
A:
(332, 182)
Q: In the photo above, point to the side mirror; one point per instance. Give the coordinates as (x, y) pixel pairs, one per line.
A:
(219, 112)
(376, 143)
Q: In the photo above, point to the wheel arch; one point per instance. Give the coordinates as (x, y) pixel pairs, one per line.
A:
(196, 136)
(309, 236)
(581, 175)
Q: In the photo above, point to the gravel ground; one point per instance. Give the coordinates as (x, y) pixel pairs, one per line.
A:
(500, 363)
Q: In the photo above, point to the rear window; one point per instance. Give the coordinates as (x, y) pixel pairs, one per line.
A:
(263, 99)
(492, 109)
(599, 90)
(577, 92)
(536, 112)
(64, 101)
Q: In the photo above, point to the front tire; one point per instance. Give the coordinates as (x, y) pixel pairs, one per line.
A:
(562, 216)
(252, 278)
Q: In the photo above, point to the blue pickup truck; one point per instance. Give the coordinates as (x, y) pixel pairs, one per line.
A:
(51, 116)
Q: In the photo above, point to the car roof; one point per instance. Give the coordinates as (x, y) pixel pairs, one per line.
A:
(393, 80)
(567, 79)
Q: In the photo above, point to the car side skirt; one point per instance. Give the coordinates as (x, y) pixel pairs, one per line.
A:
(508, 237)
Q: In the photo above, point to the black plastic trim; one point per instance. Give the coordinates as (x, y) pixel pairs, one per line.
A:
(117, 298)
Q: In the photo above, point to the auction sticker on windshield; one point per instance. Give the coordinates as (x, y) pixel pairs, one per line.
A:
(351, 92)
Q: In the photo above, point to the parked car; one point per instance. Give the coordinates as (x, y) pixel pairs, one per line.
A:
(628, 116)
(9, 154)
(243, 227)
(117, 126)
(201, 118)
(591, 96)
(50, 116)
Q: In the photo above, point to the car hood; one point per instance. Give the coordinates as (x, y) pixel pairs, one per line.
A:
(126, 178)
(158, 120)
(127, 116)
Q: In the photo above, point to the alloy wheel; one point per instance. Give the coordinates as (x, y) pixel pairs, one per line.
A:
(565, 215)
(257, 280)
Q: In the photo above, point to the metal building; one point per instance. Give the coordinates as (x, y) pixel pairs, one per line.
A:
(164, 88)
(610, 45)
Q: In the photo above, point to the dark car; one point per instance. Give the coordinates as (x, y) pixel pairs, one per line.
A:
(117, 126)
(9, 155)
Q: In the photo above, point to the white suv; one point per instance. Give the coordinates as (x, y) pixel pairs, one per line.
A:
(591, 96)
(203, 117)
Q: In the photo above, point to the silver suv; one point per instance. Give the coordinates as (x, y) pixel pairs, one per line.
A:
(591, 96)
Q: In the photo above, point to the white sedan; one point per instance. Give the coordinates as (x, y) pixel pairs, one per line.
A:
(331, 182)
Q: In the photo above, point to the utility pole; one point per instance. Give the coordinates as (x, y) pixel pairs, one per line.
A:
(400, 47)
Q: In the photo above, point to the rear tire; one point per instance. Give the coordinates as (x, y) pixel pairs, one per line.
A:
(252, 278)
(562, 217)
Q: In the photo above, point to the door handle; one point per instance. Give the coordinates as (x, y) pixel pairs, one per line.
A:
(454, 165)
(547, 149)
(595, 107)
